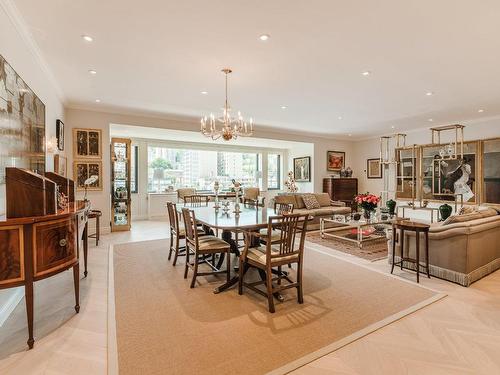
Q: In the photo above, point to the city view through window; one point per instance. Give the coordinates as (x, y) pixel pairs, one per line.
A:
(170, 167)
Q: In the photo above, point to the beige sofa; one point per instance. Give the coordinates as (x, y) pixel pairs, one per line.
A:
(327, 209)
(462, 250)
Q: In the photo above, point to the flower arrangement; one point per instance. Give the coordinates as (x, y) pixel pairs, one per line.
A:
(368, 202)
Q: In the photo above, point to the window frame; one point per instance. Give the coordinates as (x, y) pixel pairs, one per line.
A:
(278, 171)
(135, 151)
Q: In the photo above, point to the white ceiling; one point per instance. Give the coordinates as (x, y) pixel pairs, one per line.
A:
(157, 55)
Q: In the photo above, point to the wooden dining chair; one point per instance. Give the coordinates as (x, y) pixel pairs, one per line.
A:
(196, 200)
(251, 197)
(200, 247)
(177, 233)
(275, 255)
(279, 209)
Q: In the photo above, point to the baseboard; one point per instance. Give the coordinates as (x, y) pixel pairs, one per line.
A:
(11, 303)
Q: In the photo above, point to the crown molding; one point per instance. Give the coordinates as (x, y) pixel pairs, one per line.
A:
(22, 28)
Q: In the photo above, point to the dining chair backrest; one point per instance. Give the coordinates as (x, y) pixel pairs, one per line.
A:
(251, 193)
(191, 229)
(196, 200)
(288, 226)
(182, 192)
(173, 218)
(283, 208)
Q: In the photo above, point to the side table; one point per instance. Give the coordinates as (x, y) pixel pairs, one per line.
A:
(407, 225)
(96, 214)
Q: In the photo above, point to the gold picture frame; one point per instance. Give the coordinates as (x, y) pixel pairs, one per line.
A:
(83, 169)
(335, 161)
(87, 143)
(61, 165)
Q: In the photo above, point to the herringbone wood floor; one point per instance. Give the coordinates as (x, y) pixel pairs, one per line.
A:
(459, 334)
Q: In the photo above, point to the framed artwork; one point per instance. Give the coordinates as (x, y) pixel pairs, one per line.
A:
(302, 169)
(61, 165)
(335, 160)
(87, 144)
(83, 169)
(22, 124)
(60, 135)
(373, 168)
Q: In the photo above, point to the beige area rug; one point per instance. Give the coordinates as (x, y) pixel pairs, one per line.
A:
(164, 327)
(372, 251)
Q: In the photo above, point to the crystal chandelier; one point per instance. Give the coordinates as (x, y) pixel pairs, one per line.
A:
(230, 127)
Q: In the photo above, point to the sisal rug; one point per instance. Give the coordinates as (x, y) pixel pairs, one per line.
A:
(164, 327)
(372, 251)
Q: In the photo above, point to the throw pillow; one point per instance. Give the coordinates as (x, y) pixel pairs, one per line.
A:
(467, 210)
(323, 199)
(310, 201)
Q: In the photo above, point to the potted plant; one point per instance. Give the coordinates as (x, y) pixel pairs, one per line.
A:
(368, 203)
(159, 166)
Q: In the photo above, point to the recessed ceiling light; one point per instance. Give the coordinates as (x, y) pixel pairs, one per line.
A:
(204, 92)
(98, 100)
(284, 107)
(87, 38)
(92, 71)
(340, 117)
(430, 120)
(392, 127)
(264, 37)
(366, 73)
(429, 93)
(480, 110)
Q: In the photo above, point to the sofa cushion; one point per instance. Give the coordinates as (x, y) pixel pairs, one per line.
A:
(467, 210)
(310, 201)
(323, 199)
(299, 201)
(462, 218)
(488, 212)
(286, 199)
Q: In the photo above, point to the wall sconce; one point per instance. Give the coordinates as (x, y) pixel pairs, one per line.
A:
(51, 145)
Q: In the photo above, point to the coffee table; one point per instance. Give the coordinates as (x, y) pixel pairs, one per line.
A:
(359, 232)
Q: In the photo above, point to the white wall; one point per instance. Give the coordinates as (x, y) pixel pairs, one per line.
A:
(76, 118)
(15, 48)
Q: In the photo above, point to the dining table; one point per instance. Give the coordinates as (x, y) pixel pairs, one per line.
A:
(251, 218)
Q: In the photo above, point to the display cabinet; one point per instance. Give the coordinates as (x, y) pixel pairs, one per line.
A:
(120, 184)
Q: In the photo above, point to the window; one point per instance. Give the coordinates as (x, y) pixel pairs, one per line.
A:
(133, 169)
(171, 167)
(273, 171)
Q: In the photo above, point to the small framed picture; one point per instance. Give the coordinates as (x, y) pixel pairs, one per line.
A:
(335, 160)
(302, 169)
(87, 144)
(61, 165)
(373, 168)
(60, 135)
(83, 169)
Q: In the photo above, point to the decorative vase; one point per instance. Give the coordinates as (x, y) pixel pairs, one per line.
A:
(445, 211)
(356, 216)
(367, 214)
(391, 205)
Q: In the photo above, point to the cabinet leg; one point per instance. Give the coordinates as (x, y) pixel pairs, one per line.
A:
(76, 280)
(28, 290)
(85, 247)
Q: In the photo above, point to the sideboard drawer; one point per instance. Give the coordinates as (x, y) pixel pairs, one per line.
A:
(11, 254)
(54, 245)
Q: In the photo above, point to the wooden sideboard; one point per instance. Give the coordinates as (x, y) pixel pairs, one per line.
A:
(33, 248)
(342, 189)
